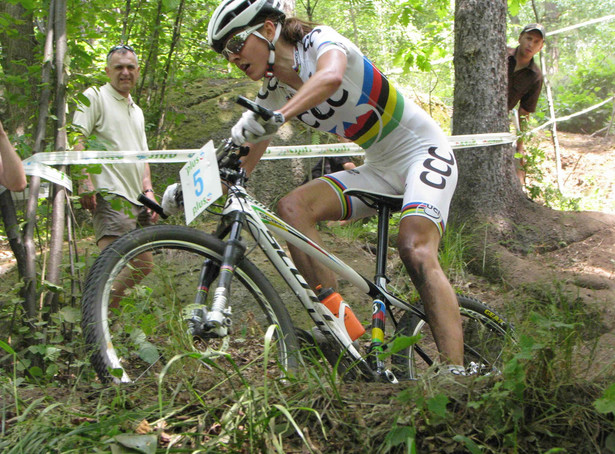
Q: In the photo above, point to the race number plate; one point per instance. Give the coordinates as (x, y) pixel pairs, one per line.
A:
(200, 182)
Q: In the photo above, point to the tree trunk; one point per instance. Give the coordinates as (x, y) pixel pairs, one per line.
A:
(17, 58)
(11, 227)
(167, 72)
(151, 61)
(487, 183)
(59, 192)
(288, 6)
(29, 275)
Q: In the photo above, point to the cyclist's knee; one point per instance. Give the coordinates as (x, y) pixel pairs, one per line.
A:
(292, 207)
(416, 257)
(309, 204)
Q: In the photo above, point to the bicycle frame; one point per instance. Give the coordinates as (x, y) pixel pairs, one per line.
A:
(243, 210)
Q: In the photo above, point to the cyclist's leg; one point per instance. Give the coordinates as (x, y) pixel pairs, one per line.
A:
(430, 184)
(323, 200)
(303, 208)
(418, 247)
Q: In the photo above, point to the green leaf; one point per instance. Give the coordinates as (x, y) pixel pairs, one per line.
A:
(6, 347)
(70, 314)
(514, 6)
(606, 404)
(117, 372)
(83, 99)
(148, 352)
(401, 343)
(437, 405)
(145, 444)
(36, 371)
(53, 288)
(400, 435)
(468, 443)
(37, 349)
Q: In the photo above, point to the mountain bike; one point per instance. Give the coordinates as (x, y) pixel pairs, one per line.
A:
(208, 295)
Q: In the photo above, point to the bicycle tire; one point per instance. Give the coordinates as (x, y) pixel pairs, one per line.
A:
(148, 327)
(486, 335)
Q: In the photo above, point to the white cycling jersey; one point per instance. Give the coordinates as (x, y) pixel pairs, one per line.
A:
(404, 147)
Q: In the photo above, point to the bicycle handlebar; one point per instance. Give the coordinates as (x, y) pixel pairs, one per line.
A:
(225, 156)
(261, 111)
(152, 205)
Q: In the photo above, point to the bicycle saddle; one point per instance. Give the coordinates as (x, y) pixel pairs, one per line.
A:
(376, 199)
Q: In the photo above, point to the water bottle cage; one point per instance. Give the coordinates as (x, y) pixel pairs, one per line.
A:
(335, 324)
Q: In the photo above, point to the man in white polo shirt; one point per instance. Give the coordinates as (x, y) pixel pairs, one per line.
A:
(112, 121)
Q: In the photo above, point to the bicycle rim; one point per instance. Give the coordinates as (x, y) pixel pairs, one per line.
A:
(145, 336)
(486, 335)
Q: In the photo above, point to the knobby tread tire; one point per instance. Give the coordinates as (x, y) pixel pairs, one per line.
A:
(95, 306)
(411, 365)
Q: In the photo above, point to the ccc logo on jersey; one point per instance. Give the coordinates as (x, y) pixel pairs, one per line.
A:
(438, 169)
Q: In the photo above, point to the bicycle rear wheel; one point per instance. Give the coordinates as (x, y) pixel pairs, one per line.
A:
(485, 336)
(133, 337)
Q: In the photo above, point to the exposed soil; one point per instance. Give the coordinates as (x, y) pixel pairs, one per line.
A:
(585, 262)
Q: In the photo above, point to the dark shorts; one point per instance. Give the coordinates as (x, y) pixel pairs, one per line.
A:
(109, 221)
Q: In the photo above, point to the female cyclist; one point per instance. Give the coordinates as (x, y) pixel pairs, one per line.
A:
(313, 73)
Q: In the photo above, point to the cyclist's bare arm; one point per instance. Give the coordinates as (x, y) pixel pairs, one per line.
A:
(318, 88)
(256, 153)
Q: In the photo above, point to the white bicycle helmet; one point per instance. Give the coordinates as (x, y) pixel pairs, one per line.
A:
(232, 16)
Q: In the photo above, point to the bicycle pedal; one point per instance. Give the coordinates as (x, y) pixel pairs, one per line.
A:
(390, 377)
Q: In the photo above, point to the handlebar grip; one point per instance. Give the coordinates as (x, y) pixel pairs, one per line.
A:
(261, 111)
(149, 203)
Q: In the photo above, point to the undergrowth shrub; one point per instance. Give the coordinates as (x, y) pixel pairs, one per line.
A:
(590, 84)
(553, 394)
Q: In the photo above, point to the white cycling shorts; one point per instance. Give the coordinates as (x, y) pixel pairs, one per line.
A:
(427, 179)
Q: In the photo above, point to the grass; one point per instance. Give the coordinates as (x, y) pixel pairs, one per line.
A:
(554, 395)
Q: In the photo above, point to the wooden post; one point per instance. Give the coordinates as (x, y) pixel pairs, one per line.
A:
(558, 160)
(608, 128)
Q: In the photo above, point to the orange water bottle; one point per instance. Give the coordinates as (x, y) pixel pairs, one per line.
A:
(336, 305)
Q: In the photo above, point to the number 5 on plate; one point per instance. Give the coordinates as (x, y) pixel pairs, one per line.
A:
(200, 181)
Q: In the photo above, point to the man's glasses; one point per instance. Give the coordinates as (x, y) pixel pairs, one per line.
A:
(236, 42)
(121, 46)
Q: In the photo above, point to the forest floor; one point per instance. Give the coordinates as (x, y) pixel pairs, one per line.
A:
(586, 267)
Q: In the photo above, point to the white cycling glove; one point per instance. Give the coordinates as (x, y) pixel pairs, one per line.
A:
(252, 128)
(172, 200)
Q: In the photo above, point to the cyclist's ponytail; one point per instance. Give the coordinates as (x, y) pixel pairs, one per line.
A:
(295, 29)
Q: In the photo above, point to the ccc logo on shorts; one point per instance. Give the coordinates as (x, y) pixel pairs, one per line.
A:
(434, 176)
(430, 210)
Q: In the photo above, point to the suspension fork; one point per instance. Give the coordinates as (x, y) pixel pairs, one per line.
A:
(210, 268)
(233, 254)
(215, 321)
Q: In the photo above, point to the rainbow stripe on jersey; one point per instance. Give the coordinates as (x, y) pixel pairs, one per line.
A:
(388, 104)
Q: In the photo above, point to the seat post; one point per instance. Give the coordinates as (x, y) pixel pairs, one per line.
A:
(384, 213)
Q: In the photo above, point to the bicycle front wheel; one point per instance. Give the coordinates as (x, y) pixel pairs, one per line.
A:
(139, 296)
(485, 336)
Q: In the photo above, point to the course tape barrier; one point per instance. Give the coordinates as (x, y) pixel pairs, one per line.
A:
(583, 24)
(568, 117)
(40, 163)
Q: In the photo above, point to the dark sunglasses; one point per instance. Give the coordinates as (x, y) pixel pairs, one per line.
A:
(236, 42)
(121, 46)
